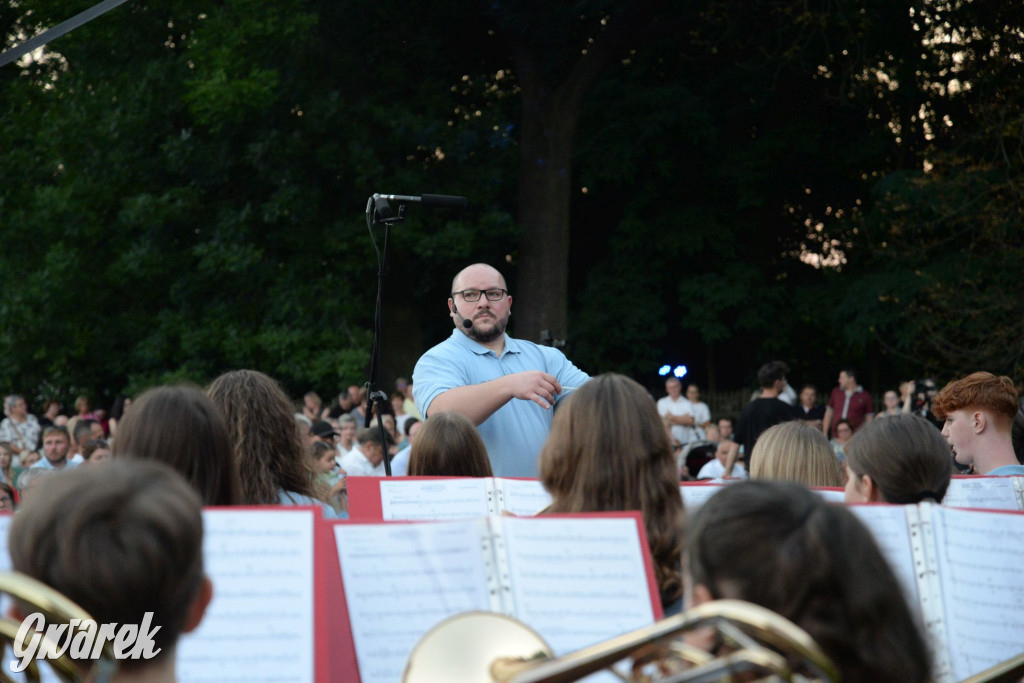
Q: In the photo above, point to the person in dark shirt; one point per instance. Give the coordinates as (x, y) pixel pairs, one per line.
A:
(766, 410)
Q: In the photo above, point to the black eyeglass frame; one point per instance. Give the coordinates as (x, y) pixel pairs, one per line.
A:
(482, 292)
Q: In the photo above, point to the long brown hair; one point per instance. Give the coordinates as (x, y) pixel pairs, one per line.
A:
(181, 426)
(268, 449)
(448, 445)
(608, 450)
(905, 456)
(783, 547)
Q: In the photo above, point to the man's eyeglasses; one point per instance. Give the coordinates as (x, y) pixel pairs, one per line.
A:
(473, 295)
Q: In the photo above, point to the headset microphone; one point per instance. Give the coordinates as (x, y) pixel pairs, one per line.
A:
(466, 322)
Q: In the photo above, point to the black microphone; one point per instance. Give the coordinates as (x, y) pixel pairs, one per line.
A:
(466, 322)
(432, 201)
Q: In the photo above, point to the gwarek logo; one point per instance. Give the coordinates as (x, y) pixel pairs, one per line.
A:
(81, 639)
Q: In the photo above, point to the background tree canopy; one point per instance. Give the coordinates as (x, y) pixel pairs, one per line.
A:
(182, 186)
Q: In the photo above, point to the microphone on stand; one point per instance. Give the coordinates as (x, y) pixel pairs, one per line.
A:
(430, 201)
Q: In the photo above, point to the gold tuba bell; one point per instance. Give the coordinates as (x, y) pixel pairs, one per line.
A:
(481, 646)
(32, 596)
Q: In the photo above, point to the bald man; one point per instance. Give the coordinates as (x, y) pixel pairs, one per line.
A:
(506, 386)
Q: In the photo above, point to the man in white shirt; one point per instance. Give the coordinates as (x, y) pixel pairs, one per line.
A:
(346, 441)
(701, 412)
(677, 412)
(368, 458)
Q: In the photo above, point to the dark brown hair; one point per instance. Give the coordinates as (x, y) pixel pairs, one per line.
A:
(783, 547)
(905, 456)
(121, 539)
(981, 390)
(181, 426)
(265, 439)
(608, 450)
(448, 445)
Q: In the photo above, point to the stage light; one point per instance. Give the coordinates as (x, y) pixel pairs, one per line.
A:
(664, 370)
(680, 371)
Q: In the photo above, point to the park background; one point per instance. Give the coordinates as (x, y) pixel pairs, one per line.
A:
(714, 184)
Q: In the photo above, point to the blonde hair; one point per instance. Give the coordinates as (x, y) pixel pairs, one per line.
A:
(794, 451)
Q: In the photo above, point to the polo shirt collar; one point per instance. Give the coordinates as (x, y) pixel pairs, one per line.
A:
(462, 339)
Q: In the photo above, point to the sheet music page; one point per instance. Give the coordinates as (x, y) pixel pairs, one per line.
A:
(523, 497)
(831, 495)
(401, 580)
(695, 496)
(436, 499)
(259, 626)
(989, 493)
(981, 570)
(888, 524)
(577, 581)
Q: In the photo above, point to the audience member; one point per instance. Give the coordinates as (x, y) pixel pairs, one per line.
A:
(272, 464)
(400, 463)
(608, 450)
(701, 412)
(841, 437)
(398, 406)
(95, 451)
(8, 472)
(83, 431)
(367, 460)
(8, 499)
(312, 406)
(676, 412)
(404, 386)
(795, 452)
(766, 410)
(20, 428)
(182, 427)
(979, 411)
(891, 405)
(56, 444)
(122, 541)
(51, 411)
(899, 460)
(724, 463)
(117, 412)
(29, 479)
(449, 446)
(808, 410)
(346, 442)
(29, 459)
(782, 547)
(848, 402)
(725, 429)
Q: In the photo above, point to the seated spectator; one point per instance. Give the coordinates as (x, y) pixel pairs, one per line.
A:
(29, 480)
(56, 444)
(891, 405)
(7, 471)
(725, 463)
(8, 499)
(367, 460)
(19, 428)
(330, 475)
(841, 436)
(29, 459)
(796, 452)
(346, 441)
(448, 445)
(900, 460)
(400, 463)
(272, 464)
(51, 410)
(95, 451)
(143, 527)
(182, 427)
(608, 450)
(398, 406)
(784, 548)
(725, 429)
(808, 410)
(978, 411)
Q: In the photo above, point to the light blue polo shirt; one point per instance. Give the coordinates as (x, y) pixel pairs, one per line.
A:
(516, 432)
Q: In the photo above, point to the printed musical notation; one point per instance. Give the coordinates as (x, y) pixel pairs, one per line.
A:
(577, 581)
(437, 499)
(259, 626)
(523, 497)
(981, 568)
(987, 493)
(402, 580)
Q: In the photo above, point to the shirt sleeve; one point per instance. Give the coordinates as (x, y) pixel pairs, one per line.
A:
(433, 375)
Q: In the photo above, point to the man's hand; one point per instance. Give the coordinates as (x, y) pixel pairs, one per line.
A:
(533, 385)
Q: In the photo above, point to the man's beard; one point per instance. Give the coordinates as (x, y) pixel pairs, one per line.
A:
(485, 337)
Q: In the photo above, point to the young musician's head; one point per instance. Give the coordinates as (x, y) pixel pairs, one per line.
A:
(449, 445)
(783, 547)
(795, 451)
(609, 450)
(268, 447)
(900, 459)
(182, 427)
(120, 540)
(978, 411)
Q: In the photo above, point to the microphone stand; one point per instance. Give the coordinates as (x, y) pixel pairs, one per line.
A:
(378, 212)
